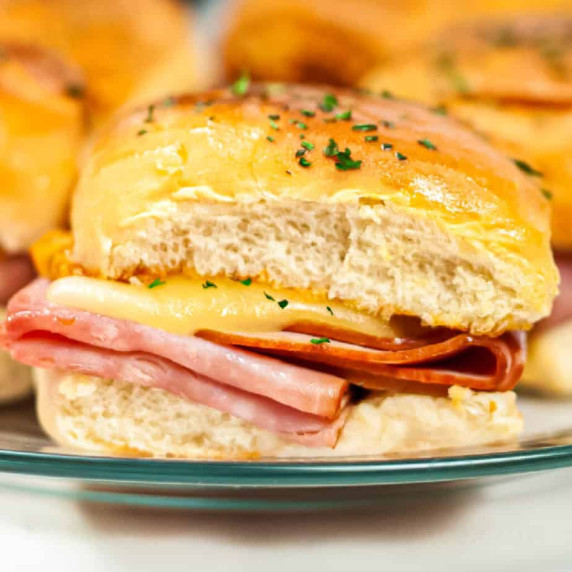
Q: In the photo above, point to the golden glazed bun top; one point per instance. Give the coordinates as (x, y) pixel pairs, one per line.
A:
(511, 80)
(128, 50)
(337, 41)
(42, 124)
(232, 157)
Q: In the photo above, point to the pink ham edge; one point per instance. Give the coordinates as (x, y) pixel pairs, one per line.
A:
(562, 309)
(304, 389)
(15, 272)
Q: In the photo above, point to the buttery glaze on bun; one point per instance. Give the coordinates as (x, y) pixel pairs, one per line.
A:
(42, 121)
(129, 51)
(416, 215)
(337, 41)
(225, 241)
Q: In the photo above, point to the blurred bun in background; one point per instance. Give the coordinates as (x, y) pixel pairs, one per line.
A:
(129, 51)
(337, 41)
(511, 80)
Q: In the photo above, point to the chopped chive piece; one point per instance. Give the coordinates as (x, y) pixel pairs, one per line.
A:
(329, 102)
(386, 146)
(307, 145)
(528, 169)
(141, 132)
(332, 149)
(318, 341)
(150, 114)
(300, 153)
(400, 156)
(547, 194)
(330, 310)
(345, 162)
(302, 125)
(440, 110)
(246, 282)
(209, 284)
(387, 94)
(274, 125)
(283, 303)
(427, 144)
(364, 127)
(274, 116)
(344, 115)
(302, 136)
(307, 112)
(269, 297)
(241, 85)
(371, 138)
(293, 121)
(304, 162)
(156, 283)
(271, 139)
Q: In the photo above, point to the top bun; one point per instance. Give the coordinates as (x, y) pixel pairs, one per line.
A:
(42, 126)
(511, 80)
(377, 201)
(129, 51)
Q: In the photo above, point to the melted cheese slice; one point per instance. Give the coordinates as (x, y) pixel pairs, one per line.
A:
(185, 305)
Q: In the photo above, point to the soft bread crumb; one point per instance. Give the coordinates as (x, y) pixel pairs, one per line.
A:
(113, 417)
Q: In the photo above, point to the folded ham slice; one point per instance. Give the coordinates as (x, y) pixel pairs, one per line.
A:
(15, 272)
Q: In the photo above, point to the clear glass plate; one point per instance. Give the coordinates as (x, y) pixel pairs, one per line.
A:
(30, 462)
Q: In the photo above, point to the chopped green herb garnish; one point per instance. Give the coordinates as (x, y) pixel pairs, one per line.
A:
(156, 283)
(150, 114)
(400, 156)
(388, 124)
(547, 194)
(300, 153)
(330, 310)
(329, 102)
(387, 94)
(344, 115)
(302, 125)
(371, 138)
(386, 146)
(304, 162)
(440, 110)
(526, 168)
(307, 112)
(307, 145)
(302, 136)
(241, 85)
(427, 144)
(332, 149)
(141, 132)
(318, 341)
(364, 127)
(246, 282)
(75, 90)
(269, 297)
(274, 125)
(209, 284)
(345, 162)
(274, 116)
(271, 139)
(283, 303)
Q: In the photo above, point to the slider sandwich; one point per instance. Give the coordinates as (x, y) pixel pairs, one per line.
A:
(285, 270)
(129, 51)
(512, 81)
(41, 129)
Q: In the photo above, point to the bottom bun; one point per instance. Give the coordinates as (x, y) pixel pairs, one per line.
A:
(121, 418)
(15, 378)
(549, 365)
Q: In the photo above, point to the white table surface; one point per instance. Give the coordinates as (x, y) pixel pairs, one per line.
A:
(521, 524)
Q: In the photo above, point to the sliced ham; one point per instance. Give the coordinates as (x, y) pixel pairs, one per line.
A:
(15, 272)
(562, 309)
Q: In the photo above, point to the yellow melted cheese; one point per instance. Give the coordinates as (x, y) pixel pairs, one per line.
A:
(184, 306)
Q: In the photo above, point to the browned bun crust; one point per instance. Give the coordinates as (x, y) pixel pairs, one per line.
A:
(42, 118)
(128, 50)
(512, 81)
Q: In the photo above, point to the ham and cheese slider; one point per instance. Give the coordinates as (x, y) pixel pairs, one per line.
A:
(129, 51)
(512, 81)
(41, 128)
(286, 270)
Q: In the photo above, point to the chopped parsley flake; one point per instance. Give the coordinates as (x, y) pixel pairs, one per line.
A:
(330, 310)
(304, 162)
(318, 341)
(246, 282)
(283, 303)
(156, 283)
(150, 114)
(526, 168)
(274, 125)
(427, 144)
(209, 284)
(547, 194)
(271, 139)
(371, 138)
(388, 124)
(141, 132)
(387, 94)
(241, 85)
(301, 125)
(307, 112)
(400, 156)
(364, 127)
(307, 145)
(302, 136)
(330, 101)
(344, 115)
(300, 153)
(345, 162)
(269, 297)
(274, 116)
(332, 149)
(386, 146)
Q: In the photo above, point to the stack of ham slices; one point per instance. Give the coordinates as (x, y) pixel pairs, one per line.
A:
(282, 382)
